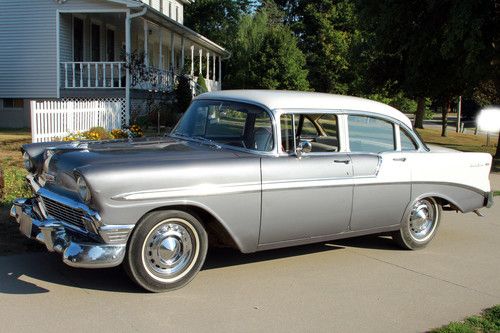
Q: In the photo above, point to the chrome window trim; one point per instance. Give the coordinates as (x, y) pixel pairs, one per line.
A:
(421, 146)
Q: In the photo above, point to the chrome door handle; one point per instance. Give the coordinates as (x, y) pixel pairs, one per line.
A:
(343, 161)
(402, 159)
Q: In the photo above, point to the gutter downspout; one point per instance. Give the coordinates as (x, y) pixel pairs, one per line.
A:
(128, 20)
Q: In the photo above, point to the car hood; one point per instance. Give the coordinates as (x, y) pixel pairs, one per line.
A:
(57, 162)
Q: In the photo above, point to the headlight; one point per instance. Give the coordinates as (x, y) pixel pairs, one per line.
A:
(28, 164)
(83, 189)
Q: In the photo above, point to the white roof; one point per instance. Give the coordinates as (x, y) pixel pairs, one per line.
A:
(282, 100)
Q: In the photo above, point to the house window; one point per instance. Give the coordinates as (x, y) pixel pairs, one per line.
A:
(177, 13)
(161, 6)
(170, 9)
(96, 39)
(77, 39)
(13, 103)
(110, 45)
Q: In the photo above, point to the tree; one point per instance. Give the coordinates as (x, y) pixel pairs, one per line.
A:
(437, 49)
(216, 19)
(265, 54)
(328, 35)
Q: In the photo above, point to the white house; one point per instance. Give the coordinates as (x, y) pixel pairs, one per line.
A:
(73, 51)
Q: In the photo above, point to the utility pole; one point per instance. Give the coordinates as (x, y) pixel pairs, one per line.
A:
(459, 113)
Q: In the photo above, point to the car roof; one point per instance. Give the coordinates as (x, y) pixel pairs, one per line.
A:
(284, 100)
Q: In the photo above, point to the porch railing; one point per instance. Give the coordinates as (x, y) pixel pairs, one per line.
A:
(100, 75)
(155, 79)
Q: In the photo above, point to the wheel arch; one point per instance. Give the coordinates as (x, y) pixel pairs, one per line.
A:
(218, 233)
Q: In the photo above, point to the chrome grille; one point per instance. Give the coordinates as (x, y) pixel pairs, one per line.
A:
(64, 213)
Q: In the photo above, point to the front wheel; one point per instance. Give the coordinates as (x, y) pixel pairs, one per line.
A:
(166, 251)
(420, 227)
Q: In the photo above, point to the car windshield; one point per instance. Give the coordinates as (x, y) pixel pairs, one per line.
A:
(227, 123)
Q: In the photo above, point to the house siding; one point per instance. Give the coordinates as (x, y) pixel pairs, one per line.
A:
(28, 52)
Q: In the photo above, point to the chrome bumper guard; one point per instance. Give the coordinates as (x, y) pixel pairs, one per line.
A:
(77, 250)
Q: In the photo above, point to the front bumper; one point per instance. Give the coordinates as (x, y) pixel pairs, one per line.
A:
(77, 250)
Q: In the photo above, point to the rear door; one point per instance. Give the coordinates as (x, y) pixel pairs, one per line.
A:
(382, 185)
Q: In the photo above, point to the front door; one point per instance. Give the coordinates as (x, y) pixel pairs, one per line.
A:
(304, 198)
(311, 196)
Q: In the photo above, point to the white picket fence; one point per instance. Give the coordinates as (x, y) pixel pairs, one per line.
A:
(53, 120)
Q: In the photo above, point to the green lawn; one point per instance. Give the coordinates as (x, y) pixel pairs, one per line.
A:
(488, 321)
(459, 141)
(11, 162)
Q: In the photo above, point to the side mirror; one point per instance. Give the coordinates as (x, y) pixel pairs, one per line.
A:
(304, 147)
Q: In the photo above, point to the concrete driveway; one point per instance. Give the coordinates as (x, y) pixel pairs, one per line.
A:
(363, 284)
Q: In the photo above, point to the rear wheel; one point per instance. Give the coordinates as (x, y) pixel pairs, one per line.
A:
(166, 250)
(421, 225)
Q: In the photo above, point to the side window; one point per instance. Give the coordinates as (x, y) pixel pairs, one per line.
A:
(287, 133)
(320, 130)
(371, 135)
(308, 128)
(328, 122)
(407, 143)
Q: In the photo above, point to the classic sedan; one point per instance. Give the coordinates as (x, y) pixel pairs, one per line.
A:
(253, 170)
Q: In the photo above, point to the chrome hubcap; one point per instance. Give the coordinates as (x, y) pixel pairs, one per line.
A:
(423, 218)
(169, 249)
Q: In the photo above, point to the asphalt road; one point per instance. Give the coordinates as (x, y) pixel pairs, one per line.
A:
(359, 285)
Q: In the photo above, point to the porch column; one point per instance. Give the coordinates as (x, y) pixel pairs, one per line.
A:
(208, 66)
(127, 70)
(213, 68)
(192, 61)
(146, 57)
(220, 73)
(183, 45)
(200, 72)
(172, 54)
(160, 65)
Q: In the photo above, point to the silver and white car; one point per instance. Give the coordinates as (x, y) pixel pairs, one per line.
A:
(254, 170)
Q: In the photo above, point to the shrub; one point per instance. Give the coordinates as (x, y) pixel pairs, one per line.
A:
(74, 137)
(119, 134)
(202, 84)
(97, 133)
(183, 93)
(136, 131)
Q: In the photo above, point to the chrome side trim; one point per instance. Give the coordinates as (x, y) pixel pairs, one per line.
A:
(192, 191)
(306, 183)
(116, 233)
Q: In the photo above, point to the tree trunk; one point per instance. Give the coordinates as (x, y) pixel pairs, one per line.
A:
(444, 114)
(419, 115)
(497, 154)
(2, 183)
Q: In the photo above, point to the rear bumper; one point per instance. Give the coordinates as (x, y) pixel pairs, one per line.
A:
(488, 199)
(77, 250)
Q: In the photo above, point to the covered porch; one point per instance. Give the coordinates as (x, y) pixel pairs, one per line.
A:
(98, 50)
